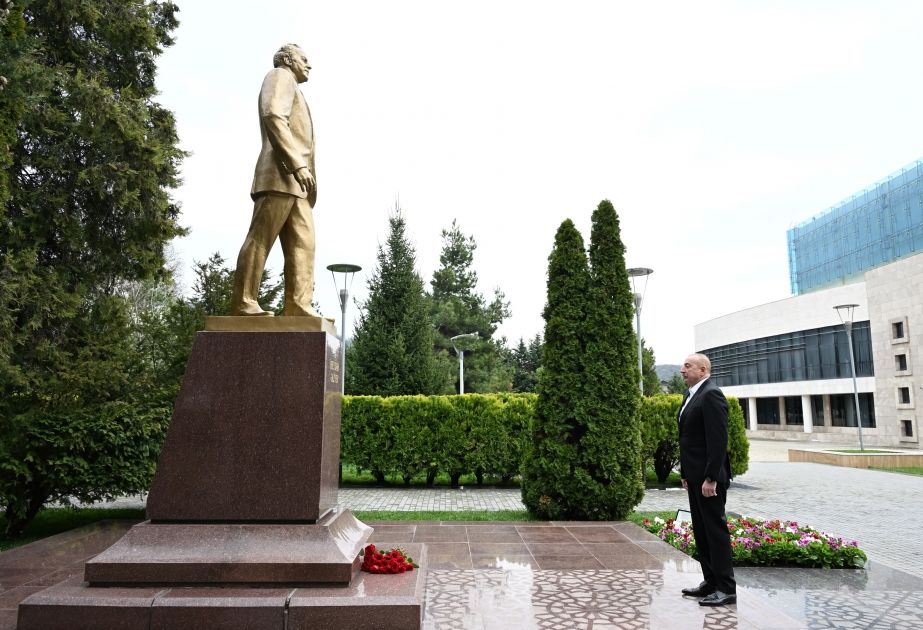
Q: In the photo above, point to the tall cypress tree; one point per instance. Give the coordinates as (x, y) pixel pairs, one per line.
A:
(86, 208)
(585, 459)
(608, 478)
(553, 459)
(392, 350)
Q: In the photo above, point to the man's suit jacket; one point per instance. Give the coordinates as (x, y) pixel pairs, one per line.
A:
(287, 135)
(703, 437)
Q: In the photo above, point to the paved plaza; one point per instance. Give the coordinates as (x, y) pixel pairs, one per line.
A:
(876, 508)
(604, 576)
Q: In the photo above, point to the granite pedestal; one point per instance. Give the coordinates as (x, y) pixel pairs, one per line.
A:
(255, 435)
(243, 506)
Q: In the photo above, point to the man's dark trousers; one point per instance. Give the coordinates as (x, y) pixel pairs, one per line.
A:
(712, 539)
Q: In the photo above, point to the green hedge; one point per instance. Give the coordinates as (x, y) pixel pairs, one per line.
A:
(408, 435)
(660, 438)
(487, 434)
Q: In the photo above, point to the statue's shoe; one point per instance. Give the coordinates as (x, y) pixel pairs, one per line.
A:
(253, 312)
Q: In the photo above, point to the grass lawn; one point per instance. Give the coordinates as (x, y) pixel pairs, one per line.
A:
(908, 470)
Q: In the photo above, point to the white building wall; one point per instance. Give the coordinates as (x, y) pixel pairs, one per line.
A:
(889, 294)
(799, 312)
(865, 384)
(895, 295)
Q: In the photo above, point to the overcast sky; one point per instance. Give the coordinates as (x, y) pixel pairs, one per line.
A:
(713, 127)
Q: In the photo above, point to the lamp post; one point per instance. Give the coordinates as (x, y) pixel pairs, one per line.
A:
(461, 359)
(845, 312)
(636, 273)
(346, 269)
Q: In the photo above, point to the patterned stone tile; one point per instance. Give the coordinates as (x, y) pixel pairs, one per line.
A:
(879, 609)
(593, 599)
(511, 600)
(488, 599)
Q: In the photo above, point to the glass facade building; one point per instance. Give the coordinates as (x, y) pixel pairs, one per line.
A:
(876, 226)
(804, 355)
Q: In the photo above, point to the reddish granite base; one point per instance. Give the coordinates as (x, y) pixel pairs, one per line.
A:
(255, 434)
(371, 602)
(242, 509)
(211, 553)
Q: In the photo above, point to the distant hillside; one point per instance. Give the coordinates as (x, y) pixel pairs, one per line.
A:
(666, 372)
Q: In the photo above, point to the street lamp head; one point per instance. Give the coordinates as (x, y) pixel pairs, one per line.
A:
(845, 312)
(346, 269)
(471, 335)
(343, 268)
(636, 274)
(639, 271)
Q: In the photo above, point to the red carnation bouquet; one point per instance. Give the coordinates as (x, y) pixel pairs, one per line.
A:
(391, 561)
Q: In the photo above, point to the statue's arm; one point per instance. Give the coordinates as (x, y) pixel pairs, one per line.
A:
(276, 99)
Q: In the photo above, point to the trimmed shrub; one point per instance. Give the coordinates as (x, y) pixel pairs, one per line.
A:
(738, 444)
(407, 435)
(609, 473)
(659, 437)
(365, 439)
(489, 434)
(552, 487)
(400, 414)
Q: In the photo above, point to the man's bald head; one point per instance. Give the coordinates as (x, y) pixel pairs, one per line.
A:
(695, 368)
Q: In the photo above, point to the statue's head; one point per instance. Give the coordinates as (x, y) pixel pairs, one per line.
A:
(291, 56)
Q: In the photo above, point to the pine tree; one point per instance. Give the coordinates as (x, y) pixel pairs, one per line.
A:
(86, 208)
(526, 360)
(676, 384)
(608, 479)
(649, 363)
(553, 459)
(391, 352)
(457, 309)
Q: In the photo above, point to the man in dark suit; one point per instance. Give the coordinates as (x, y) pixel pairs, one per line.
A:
(705, 469)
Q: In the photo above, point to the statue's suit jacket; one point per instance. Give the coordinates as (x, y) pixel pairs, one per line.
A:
(287, 135)
(703, 437)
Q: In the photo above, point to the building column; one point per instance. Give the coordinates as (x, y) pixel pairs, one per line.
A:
(807, 412)
(754, 421)
(783, 418)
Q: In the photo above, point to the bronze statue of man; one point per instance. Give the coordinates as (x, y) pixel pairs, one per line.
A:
(284, 191)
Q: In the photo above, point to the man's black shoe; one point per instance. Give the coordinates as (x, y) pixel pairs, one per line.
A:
(718, 599)
(701, 590)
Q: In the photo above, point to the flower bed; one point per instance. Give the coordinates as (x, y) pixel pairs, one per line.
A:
(770, 543)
